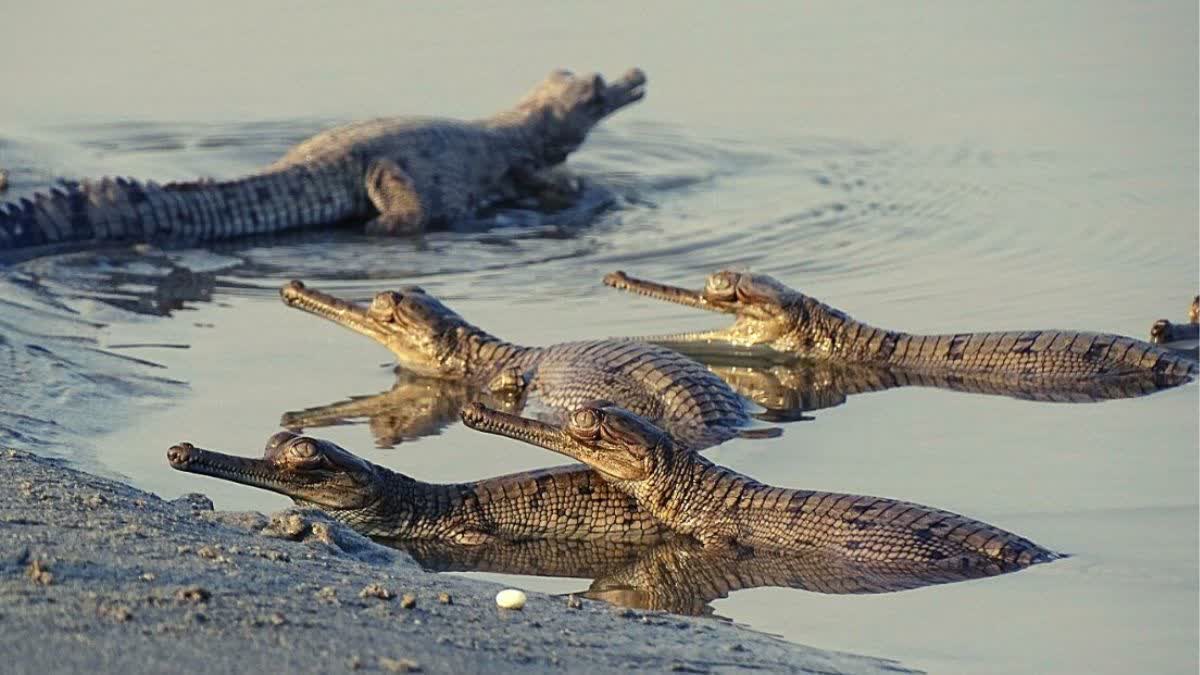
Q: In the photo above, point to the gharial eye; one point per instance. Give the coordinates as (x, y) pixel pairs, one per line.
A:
(722, 285)
(304, 449)
(383, 305)
(585, 422)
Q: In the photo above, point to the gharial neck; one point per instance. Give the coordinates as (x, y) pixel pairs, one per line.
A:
(406, 508)
(531, 130)
(679, 493)
(481, 354)
(825, 331)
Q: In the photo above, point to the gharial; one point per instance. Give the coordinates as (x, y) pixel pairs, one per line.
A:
(770, 315)
(572, 510)
(430, 339)
(403, 173)
(724, 509)
(566, 502)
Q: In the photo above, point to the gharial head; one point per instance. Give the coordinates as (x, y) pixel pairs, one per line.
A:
(624, 448)
(311, 471)
(421, 331)
(767, 313)
(566, 106)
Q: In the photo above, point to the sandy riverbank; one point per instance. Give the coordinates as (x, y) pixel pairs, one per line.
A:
(98, 576)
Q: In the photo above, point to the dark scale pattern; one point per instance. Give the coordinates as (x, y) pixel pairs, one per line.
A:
(1044, 354)
(686, 399)
(566, 502)
(720, 507)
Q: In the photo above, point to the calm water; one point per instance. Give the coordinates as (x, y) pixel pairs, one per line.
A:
(938, 169)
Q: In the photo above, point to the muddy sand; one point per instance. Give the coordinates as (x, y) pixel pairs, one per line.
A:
(98, 576)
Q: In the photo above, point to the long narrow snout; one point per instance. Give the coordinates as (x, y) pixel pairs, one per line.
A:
(629, 88)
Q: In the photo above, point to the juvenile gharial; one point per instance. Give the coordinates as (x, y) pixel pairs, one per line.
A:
(430, 339)
(771, 315)
(566, 502)
(722, 508)
(403, 173)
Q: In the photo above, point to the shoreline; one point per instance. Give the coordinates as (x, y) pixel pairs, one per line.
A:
(97, 575)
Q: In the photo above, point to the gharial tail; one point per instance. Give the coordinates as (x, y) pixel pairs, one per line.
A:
(124, 209)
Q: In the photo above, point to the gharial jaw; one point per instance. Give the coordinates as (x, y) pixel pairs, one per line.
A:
(619, 445)
(342, 312)
(312, 472)
(768, 316)
(422, 333)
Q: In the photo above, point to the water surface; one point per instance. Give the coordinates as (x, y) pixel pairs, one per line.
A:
(950, 168)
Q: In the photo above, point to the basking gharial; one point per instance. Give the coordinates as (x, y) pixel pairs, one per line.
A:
(771, 315)
(403, 174)
(722, 508)
(567, 502)
(430, 339)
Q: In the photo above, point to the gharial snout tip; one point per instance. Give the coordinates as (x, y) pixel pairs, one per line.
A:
(615, 278)
(180, 454)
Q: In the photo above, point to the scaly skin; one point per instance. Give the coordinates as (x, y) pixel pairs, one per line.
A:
(724, 509)
(405, 174)
(567, 502)
(431, 340)
(771, 315)
(679, 575)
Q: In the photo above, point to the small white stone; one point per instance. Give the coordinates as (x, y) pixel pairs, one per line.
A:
(510, 598)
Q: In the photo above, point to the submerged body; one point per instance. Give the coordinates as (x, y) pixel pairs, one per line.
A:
(404, 174)
(566, 502)
(771, 315)
(722, 508)
(432, 340)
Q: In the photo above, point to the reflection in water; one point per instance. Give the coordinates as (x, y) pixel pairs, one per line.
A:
(682, 577)
(787, 391)
(414, 407)
(418, 406)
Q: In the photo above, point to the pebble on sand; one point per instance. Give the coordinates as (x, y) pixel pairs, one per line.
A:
(510, 598)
